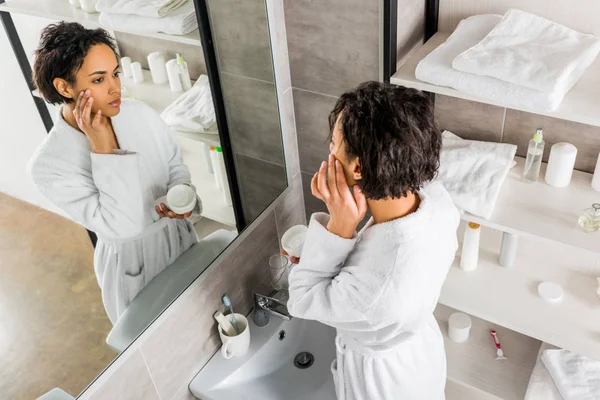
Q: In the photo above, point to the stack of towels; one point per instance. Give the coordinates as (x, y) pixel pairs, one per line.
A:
(194, 111)
(518, 60)
(174, 17)
(561, 374)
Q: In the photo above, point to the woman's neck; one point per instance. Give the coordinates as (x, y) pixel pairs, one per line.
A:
(390, 209)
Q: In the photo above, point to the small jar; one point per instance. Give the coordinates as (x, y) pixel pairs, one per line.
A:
(589, 219)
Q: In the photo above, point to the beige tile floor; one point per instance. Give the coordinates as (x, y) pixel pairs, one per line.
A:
(52, 322)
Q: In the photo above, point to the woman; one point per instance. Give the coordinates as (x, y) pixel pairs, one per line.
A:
(379, 287)
(106, 161)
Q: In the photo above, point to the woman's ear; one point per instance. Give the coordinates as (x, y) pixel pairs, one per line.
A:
(64, 88)
(356, 174)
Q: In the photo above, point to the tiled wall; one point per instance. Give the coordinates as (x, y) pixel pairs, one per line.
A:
(333, 47)
(478, 121)
(241, 36)
(160, 364)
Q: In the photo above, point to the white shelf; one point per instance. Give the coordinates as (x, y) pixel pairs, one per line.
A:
(160, 97)
(508, 296)
(581, 104)
(473, 363)
(61, 10)
(458, 391)
(540, 210)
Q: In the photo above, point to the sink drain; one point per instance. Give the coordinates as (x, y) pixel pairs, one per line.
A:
(304, 360)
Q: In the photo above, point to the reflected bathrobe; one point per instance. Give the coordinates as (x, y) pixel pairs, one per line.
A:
(379, 290)
(113, 195)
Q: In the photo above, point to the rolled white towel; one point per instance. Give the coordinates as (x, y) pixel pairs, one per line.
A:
(194, 110)
(144, 8)
(532, 52)
(180, 22)
(576, 377)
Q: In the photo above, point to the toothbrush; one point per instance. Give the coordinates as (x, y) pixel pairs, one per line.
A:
(225, 324)
(499, 352)
(227, 304)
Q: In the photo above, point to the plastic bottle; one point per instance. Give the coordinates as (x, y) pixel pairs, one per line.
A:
(470, 247)
(214, 158)
(223, 175)
(184, 73)
(533, 162)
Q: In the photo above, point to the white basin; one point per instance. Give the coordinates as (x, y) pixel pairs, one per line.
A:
(267, 371)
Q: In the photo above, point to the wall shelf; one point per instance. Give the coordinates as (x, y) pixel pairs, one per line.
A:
(62, 10)
(508, 296)
(540, 210)
(473, 364)
(579, 105)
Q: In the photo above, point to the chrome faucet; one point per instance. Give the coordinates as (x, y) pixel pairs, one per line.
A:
(274, 303)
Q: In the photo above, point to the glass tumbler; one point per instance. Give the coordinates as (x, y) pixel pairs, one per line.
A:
(279, 266)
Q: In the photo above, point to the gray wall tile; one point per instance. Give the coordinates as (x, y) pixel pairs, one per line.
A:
(469, 119)
(241, 35)
(520, 127)
(138, 47)
(279, 47)
(312, 204)
(333, 45)
(260, 183)
(312, 112)
(131, 381)
(290, 211)
(188, 338)
(289, 133)
(411, 26)
(253, 117)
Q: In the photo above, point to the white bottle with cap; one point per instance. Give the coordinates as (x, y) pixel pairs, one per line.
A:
(214, 158)
(223, 175)
(158, 68)
(184, 73)
(173, 75)
(596, 178)
(470, 248)
(560, 164)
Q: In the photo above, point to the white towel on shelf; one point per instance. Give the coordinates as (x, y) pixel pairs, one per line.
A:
(576, 377)
(437, 69)
(541, 386)
(144, 8)
(194, 110)
(532, 52)
(180, 22)
(473, 172)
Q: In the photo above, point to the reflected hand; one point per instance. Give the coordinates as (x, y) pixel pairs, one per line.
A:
(294, 260)
(97, 129)
(164, 212)
(346, 208)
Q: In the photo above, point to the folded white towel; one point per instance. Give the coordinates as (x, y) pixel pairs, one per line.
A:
(437, 69)
(541, 386)
(576, 377)
(473, 172)
(144, 8)
(531, 51)
(194, 110)
(180, 22)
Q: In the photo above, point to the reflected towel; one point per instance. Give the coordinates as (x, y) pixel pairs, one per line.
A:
(194, 110)
(437, 69)
(532, 52)
(541, 386)
(180, 22)
(473, 172)
(144, 8)
(576, 377)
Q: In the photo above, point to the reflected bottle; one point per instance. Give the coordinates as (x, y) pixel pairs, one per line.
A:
(589, 219)
(533, 162)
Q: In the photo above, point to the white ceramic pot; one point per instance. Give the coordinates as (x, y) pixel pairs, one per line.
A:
(89, 6)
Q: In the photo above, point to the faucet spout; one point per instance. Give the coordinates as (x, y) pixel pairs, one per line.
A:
(269, 302)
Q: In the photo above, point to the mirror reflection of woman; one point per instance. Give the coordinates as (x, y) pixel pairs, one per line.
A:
(106, 161)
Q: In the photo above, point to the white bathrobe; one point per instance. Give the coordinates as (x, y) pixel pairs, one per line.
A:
(113, 195)
(379, 290)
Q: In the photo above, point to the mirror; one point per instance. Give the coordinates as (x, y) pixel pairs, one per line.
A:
(184, 114)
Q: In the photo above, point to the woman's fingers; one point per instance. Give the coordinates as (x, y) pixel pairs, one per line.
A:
(322, 182)
(76, 112)
(331, 176)
(361, 200)
(159, 211)
(87, 111)
(340, 178)
(314, 187)
(97, 120)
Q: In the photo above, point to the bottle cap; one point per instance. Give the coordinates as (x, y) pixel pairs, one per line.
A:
(473, 225)
(538, 136)
(180, 59)
(219, 150)
(213, 147)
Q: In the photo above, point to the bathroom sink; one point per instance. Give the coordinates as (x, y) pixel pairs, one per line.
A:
(268, 371)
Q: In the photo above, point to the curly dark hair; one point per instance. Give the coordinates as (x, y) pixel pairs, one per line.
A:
(60, 54)
(391, 130)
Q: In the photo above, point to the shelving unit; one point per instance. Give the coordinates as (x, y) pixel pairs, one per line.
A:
(62, 10)
(473, 366)
(579, 105)
(508, 296)
(541, 211)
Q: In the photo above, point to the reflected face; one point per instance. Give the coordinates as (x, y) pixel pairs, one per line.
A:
(337, 148)
(100, 74)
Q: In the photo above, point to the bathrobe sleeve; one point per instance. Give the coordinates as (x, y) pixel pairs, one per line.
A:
(106, 200)
(322, 288)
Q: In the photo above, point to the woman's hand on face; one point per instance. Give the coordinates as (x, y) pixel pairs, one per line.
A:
(164, 212)
(346, 208)
(97, 129)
